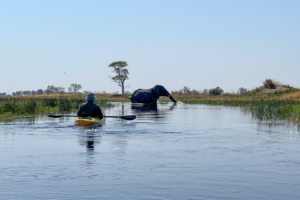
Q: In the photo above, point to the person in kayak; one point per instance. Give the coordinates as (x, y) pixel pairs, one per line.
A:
(90, 109)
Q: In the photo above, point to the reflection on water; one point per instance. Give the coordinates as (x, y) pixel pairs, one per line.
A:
(42, 119)
(138, 108)
(154, 112)
(37, 120)
(276, 126)
(168, 152)
(89, 140)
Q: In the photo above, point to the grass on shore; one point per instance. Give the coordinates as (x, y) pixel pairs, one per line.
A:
(17, 107)
(275, 110)
(282, 105)
(278, 105)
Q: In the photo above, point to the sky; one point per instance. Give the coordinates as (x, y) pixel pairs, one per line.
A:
(175, 43)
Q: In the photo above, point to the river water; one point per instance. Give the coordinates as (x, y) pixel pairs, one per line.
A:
(168, 152)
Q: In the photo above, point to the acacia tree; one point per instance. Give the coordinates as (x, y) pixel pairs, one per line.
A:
(40, 91)
(241, 90)
(74, 88)
(2, 94)
(122, 73)
(215, 91)
(52, 89)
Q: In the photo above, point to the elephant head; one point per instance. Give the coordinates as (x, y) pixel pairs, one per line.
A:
(160, 90)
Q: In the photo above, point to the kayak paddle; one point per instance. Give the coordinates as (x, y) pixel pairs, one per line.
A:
(128, 117)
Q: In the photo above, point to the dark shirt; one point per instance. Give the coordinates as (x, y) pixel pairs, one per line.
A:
(90, 109)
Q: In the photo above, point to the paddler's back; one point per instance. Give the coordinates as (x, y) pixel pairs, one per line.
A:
(90, 109)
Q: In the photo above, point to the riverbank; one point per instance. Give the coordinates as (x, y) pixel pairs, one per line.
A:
(262, 104)
(20, 107)
(272, 105)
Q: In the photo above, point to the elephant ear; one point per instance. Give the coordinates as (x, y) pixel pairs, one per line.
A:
(163, 91)
(156, 91)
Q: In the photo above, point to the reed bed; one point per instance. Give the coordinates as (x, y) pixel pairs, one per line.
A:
(276, 110)
(275, 106)
(265, 107)
(11, 108)
(234, 100)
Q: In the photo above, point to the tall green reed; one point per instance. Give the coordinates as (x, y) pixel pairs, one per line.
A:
(18, 107)
(262, 109)
(275, 110)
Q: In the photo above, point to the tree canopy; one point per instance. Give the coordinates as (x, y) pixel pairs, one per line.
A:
(74, 88)
(52, 89)
(216, 91)
(119, 68)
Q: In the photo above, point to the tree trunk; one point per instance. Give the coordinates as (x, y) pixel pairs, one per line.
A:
(122, 88)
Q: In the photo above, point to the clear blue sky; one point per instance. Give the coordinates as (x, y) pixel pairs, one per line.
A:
(175, 43)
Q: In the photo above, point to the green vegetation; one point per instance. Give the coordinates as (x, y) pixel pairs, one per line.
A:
(264, 103)
(288, 110)
(268, 84)
(11, 108)
(215, 91)
(282, 103)
(276, 110)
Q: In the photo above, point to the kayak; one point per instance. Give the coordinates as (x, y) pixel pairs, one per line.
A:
(89, 121)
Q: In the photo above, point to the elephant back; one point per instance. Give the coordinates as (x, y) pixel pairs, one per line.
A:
(156, 91)
(144, 96)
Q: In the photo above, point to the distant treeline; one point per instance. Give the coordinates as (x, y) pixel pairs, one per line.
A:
(23, 93)
(27, 92)
(73, 89)
(213, 91)
(3, 94)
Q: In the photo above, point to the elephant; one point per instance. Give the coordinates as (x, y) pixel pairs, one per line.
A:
(150, 96)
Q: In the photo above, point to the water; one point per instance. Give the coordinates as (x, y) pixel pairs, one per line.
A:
(172, 152)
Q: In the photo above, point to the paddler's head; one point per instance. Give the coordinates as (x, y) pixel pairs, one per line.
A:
(90, 97)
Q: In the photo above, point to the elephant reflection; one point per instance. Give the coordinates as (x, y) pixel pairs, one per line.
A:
(151, 111)
(143, 108)
(150, 96)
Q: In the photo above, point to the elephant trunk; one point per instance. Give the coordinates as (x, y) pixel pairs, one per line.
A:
(170, 97)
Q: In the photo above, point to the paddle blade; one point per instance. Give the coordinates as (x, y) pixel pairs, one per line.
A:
(55, 116)
(128, 117)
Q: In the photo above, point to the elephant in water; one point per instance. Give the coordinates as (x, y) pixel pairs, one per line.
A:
(150, 96)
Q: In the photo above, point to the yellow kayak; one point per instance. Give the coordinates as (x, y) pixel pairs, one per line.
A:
(89, 121)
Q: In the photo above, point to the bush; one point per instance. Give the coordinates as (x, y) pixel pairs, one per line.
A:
(278, 92)
(64, 104)
(185, 91)
(205, 91)
(242, 90)
(268, 84)
(51, 102)
(216, 91)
